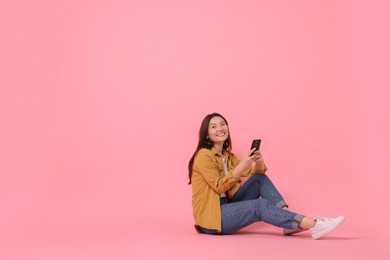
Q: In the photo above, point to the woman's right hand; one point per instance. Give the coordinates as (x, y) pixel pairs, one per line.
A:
(245, 163)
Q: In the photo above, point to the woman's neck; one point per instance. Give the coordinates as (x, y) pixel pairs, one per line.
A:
(219, 149)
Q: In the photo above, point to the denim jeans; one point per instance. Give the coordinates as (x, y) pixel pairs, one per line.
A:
(256, 200)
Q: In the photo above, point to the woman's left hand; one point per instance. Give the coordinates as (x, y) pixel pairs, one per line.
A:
(258, 159)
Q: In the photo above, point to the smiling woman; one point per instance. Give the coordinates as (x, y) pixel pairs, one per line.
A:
(218, 131)
(221, 205)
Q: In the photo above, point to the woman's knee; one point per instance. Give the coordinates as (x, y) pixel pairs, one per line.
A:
(262, 205)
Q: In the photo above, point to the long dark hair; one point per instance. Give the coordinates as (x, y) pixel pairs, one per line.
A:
(205, 142)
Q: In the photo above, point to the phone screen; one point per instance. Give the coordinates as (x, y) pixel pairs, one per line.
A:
(255, 144)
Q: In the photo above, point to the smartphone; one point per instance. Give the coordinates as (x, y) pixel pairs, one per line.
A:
(255, 144)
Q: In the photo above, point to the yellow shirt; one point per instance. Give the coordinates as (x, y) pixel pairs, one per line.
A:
(208, 182)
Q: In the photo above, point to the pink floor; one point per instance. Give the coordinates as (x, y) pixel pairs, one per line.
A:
(260, 241)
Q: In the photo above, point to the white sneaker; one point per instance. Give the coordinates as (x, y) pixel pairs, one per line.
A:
(325, 225)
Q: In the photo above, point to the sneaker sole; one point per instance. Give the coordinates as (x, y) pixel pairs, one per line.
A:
(326, 231)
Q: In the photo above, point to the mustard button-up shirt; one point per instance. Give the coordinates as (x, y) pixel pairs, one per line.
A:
(209, 181)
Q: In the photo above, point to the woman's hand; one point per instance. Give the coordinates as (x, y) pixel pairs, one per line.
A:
(246, 162)
(259, 160)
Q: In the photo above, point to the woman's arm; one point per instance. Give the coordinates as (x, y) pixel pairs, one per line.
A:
(206, 165)
(243, 167)
(258, 164)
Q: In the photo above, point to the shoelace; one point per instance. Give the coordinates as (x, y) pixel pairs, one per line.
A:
(322, 220)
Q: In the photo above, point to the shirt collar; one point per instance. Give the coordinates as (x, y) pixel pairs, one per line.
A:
(224, 152)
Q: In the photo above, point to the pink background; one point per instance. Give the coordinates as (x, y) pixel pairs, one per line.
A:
(101, 101)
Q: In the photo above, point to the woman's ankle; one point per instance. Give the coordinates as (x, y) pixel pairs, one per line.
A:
(307, 223)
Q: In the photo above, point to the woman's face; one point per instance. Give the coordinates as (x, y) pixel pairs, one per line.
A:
(218, 130)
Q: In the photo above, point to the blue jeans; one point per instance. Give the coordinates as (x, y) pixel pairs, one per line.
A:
(256, 200)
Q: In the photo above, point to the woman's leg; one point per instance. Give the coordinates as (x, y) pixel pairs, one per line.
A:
(259, 185)
(237, 215)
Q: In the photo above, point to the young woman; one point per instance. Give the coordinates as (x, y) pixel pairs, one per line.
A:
(221, 205)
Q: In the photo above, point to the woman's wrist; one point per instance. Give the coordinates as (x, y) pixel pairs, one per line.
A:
(236, 174)
(260, 170)
(239, 170)
(260, 167)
